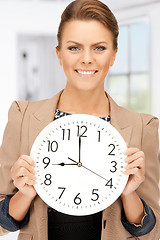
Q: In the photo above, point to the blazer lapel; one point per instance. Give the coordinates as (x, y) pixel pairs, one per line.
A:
(42, 117)
(120, 120)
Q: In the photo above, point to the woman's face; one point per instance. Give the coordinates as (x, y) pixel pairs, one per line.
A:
(86, 54)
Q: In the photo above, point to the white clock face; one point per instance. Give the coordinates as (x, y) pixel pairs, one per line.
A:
(79, 163)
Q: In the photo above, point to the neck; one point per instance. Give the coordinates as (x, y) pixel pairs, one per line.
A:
(84, 102)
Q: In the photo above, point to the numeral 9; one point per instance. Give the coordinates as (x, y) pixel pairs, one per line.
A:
(46, 161)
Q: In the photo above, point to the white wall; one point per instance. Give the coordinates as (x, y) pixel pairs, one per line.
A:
(17, 18)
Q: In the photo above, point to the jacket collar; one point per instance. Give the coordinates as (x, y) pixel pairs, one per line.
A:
(120, 119)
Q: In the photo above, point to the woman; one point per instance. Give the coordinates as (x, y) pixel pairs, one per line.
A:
(87, 47)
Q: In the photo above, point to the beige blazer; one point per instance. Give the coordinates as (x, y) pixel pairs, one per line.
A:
(27, 119)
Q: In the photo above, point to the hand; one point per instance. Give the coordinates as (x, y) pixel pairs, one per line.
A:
(23, 175)
(135, 168)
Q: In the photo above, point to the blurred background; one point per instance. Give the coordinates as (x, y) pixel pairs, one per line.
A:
(29, 69)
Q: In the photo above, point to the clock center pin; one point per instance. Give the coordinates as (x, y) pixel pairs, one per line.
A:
(79, 164)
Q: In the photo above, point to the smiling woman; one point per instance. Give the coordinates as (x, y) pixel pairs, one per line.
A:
(87, 47)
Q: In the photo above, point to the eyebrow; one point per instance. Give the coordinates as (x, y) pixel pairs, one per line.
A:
(82, 44)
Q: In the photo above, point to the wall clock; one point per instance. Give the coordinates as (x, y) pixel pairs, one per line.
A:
(79, 163)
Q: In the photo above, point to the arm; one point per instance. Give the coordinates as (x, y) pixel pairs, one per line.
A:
(133, 208)
(149, 189)
(19, 206)
(7, 222)
(9, 153)
(141, 219)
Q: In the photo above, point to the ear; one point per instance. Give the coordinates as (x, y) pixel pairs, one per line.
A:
(59, 55)
(113, 57)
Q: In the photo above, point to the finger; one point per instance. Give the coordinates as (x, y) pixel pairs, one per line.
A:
(131, 171)
(22, 181)
(139, 163)
(137, 173)
(134, 156)
(23, 161)
(30, 181)
(130, 151)
(29, 160)
(22, 172)
(26, 165)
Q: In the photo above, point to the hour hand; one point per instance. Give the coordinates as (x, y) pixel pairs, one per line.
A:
(73, 160)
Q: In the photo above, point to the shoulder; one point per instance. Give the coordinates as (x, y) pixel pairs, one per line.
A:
(33, 106)
(129, 116)
(149, 119)
(137, 118)
(22, 107)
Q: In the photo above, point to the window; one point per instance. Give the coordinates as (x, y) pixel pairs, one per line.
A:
(128, 81)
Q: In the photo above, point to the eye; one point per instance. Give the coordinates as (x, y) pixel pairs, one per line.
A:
(73, 48)
(100, 48)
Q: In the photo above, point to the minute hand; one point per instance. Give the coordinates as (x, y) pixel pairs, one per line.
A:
(95, 173)
(88, 169)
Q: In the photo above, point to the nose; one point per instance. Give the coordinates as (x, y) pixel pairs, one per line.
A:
(86, 57)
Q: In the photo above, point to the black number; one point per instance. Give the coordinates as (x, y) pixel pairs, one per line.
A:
(114, 166)
(69, 131)
(46, 161)
(99, 136)
(95, 194)
(112, 154)
(52, 146)
(47, 180)
(109, 183)
(77, 199)
(81, 131)
(63, 189)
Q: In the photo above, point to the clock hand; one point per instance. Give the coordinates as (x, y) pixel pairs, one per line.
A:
(79, 149)
(63, 164)
(73, 160)
(95, 173)
(80, 165)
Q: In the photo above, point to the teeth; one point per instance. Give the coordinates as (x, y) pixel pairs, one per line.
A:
(86, 73)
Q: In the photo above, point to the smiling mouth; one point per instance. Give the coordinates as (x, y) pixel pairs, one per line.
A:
(86, 72)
